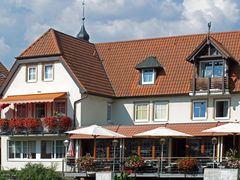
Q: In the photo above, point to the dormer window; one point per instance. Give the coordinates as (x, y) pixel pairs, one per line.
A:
(211, 63)
(149, 69)
(148, 76)
(211, 68)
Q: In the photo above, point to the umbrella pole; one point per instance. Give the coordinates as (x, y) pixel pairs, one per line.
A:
(234, 141)
(94, 148)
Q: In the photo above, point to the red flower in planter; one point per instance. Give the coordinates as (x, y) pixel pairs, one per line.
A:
(3, 124)
(65, 123)
(16, 124)
(51, 122)
(31, 124)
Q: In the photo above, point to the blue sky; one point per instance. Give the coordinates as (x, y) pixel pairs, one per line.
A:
(22, 21)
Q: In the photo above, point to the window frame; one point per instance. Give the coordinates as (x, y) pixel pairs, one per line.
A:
(22, 149)
(55, 107)
(28, 73)
(167, 110)
(201, 74)
(153, 77)
(44, 71)
(206, 112)
(109, 105)
(135, 112)
(228, 109)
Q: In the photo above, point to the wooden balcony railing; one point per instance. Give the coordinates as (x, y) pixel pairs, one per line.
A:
(208, 84)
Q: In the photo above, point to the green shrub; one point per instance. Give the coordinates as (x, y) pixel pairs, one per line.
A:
(38, 172)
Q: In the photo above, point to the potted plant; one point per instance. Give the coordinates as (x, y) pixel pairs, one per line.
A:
(51, 123)
(16, 125)
(31, 124)
(187, 165)
(134, 163)
(4, 124)
(86, 163)
(65, 123)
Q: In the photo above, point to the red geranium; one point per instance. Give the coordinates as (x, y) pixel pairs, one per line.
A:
(51, 122)
(16, 123)
(65, 123)
(30, 124)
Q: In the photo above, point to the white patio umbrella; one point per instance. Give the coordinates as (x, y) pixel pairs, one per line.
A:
(162, 132)
(230, 128)
(95, 130)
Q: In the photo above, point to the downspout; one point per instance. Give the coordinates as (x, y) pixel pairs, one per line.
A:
(74, 108)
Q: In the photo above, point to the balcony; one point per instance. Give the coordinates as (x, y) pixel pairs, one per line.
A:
(207, 86)
(30, 126)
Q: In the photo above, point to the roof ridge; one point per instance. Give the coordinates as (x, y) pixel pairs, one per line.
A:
(56, 43)
(87, 42)
(38, 39)
(166, 37)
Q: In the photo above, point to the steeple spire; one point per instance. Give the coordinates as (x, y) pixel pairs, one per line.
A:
(83, 33)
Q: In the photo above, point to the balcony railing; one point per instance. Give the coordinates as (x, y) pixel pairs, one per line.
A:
(170, 166)
(202, 84)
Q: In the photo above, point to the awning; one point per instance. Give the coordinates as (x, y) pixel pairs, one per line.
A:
(32, 98)
(194, 129)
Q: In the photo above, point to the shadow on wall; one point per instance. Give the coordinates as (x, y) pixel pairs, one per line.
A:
(121, 115)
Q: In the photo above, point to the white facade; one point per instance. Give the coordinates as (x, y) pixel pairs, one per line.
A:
(180, 109)
(92, 110)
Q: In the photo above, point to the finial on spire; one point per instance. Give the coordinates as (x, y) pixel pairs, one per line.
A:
(209, 28)
(83, 16)
(83, 33)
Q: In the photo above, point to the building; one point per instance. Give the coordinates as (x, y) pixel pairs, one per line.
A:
(187, 83)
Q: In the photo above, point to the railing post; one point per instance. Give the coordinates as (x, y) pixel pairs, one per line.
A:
(194, 79)
(209, 84)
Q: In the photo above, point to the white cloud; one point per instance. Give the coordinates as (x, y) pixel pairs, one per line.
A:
(4, 48)
(111, 20)
(34, 31)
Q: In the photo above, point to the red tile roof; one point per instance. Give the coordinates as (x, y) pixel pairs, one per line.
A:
(114, 73)
(120, 59)
(81, 57)
(194, 129)
(3, 73)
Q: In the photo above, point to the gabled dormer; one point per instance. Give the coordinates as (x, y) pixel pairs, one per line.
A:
(149, 69)
(211, 61)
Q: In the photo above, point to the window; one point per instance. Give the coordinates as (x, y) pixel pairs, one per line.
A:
(161, 111)
(60, 107)
(109, 112)
(32, 74)
(211, 69)
(47, 149)
(148, 76)
(21, 110)
(199, 109)
(22, 149)
(39, 110)
(48, 72)
(60, 150)
(222, 109)
(141, 112)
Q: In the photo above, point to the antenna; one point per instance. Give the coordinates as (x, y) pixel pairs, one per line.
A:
(83, 15)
